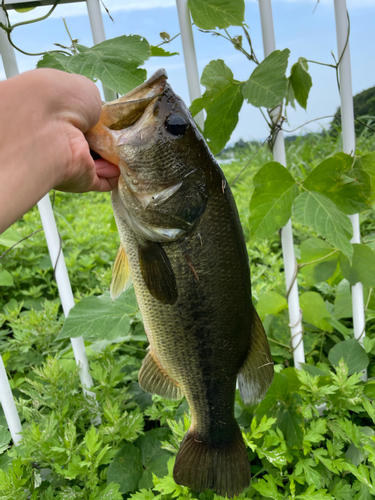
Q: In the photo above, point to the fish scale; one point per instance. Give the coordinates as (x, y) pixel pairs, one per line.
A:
(192, 285)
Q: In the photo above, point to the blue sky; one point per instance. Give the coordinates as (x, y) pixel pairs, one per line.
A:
(306, 33)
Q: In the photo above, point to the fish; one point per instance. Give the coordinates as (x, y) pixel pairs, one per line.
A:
(182, 246)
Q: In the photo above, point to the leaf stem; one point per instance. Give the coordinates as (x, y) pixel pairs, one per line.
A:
(280, 343)
(314, 120)
(300, 266)
(248, 163)
(8, 29)
(20, 241)
(322, 64)
(168, 41)
(74, 49)
(368, 299)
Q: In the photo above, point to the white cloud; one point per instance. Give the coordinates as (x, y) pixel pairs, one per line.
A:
(80, 9)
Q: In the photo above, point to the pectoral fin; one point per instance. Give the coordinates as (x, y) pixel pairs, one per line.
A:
(153, 378)
(121, 277)
(256, 374)
(157, 273)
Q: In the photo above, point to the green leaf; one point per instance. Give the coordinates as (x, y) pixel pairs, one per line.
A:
(6, 279)
(10, 237)
(362, 267)
(290, 421)
(110, 492)
(267, 85)
(25, 9)
(126, 469)
(293, 380)
(367, 164)
(369, 390)
(316, 210)
(301, 81)
(313, 249)
(211, 14)
(222, 117)
(344, 184)
(222, 101)
(267, 487)
(343, 301)
(81, 48)
(100, 318)
(313, 477)
(290, 97)
(115, 62)
(5, 438)
(352, 353)
(270, 205)
(363, 492)
(315, 311)
(270, 303)
(54, 60)
(354, 455)
(139, 396)
(341, 489)
(312, 494)
(217, 76)
(160, 52)
(154, 458)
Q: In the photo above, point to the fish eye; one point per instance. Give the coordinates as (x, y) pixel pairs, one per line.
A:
(176, 125)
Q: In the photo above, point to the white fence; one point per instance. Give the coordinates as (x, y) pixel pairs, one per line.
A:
(49, 224)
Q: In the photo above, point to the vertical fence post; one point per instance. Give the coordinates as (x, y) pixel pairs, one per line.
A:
(52, 235)
(98, 35)
(190, 57)
(348, 138)
(290, 263)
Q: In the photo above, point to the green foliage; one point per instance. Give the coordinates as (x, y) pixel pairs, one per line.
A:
(211, 14)
(271, 203)
(115, 62)
(98, 318)
(299, 82)
(222, 101)
(267, 85)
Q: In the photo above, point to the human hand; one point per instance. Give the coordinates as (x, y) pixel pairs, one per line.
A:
(44, 114)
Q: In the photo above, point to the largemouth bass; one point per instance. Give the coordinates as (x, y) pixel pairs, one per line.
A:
(182, 245)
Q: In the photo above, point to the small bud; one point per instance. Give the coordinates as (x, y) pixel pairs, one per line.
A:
(165, 36)
(237, 41)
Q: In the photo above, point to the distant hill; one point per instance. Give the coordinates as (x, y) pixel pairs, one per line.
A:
(364, 110)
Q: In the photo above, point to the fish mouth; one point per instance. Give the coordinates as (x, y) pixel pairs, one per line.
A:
(121, 114)
(125, 111)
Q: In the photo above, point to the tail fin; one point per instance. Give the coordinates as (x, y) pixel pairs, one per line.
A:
(225, 469)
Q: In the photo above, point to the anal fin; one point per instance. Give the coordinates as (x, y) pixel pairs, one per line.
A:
(121, 277)
(157, 272)
(256, 374)
(154, 379)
